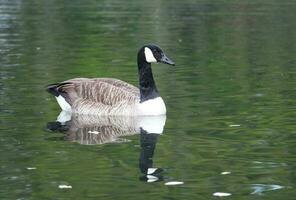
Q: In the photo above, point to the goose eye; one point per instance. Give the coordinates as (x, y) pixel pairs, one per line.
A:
(157, 53)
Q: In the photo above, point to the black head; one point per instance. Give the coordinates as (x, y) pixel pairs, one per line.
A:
(154, 54)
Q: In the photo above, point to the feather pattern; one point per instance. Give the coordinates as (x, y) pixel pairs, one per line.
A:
(100, 96)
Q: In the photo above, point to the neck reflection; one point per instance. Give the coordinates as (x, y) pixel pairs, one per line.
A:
(148, 143)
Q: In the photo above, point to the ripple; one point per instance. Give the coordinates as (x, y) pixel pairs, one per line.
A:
(260, 165)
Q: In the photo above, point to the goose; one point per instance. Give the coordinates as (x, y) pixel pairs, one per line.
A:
(109, 96)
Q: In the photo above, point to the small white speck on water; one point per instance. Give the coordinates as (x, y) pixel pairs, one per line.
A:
(174, 183)
(234, 125)
(94, 132)
(65, 186)
(38, 48)
(13, 177)
(258, 95)
(221, 194)
(31, 168)
(225, 173)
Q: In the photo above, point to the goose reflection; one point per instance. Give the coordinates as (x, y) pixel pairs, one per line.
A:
(91, 130)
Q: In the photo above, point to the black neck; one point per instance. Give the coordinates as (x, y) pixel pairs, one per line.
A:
(148, 88)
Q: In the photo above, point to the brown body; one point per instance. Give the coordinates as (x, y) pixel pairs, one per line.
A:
(99, 96)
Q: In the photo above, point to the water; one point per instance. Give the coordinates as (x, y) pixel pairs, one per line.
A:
(230, 126)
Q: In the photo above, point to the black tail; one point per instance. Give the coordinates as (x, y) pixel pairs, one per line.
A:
(57, 126)
(52, 89)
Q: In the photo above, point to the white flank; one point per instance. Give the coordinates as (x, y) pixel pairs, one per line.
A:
(174, 183)
(63, 103)
(151, 107)
(221, 194)
(149, 55)
(65, 186)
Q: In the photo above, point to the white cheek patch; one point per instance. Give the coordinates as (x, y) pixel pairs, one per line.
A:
(149, 55)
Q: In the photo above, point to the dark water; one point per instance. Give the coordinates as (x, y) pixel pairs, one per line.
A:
(230, 99)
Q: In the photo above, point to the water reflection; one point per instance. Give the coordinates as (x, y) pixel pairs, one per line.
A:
(91, 130)
(148, 142)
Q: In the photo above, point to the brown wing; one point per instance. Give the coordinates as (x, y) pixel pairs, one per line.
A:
(99, 90)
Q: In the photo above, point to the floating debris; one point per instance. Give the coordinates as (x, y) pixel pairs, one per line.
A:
(234, 125)
(94, 132)
(65, 186)
(225, 173)
(31, 168)
(174, 183)
(259, 189)
(221, 194)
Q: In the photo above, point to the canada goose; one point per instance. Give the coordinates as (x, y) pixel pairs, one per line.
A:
(108, 96)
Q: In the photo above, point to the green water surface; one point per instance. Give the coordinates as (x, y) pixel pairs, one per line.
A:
(231, 98)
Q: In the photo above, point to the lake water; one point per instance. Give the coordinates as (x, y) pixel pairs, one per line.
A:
(231, 101)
